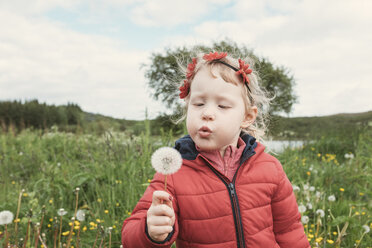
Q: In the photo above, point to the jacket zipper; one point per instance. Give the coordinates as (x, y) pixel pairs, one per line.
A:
(234, 203)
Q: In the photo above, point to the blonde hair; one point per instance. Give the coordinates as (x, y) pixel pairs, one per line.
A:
(257, 96)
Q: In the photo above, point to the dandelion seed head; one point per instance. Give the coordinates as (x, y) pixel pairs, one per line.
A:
(306, 187)
(301, 208)
(366, 229)
(304, 219)
(295, 188)
(80, 215)
(61, 212)
(312, 188)
(332, 198)
(309, 205)
(166, 160)
(6, 217)
(320, 212)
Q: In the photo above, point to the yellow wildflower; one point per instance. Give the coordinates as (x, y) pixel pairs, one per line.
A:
(66, 233)
(318, 240)
(334, 233)
(25, 194)
(13, 182)
(308, 173)
(106, 211)
(342, 189)
(84, 228)
(149, 180)
(310, 236)
(330, 241)
(361, 193)
(99, 200)
(49, 225)
(51, 219)
(17, 220)
(117, 204)
(50, 201)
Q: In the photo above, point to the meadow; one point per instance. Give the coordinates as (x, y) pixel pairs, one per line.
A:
(75, 189)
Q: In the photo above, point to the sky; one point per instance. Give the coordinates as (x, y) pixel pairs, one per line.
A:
(90, 52)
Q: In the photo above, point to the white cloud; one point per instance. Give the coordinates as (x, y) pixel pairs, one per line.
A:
(170, 13)
(44, 60)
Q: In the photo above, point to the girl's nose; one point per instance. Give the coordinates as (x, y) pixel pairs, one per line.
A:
(207, 116)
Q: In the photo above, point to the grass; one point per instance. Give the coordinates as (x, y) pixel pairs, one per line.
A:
(40, 173)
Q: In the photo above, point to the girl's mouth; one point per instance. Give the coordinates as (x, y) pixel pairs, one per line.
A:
(204, 132)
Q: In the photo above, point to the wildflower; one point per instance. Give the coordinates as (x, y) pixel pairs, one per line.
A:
(318, 240)
(334, 233)
(306, 187)
(6, 217)
(349, 156)
(361, 193)
(366, 228)
(295, 188)
(99, 200)
(84, 228)
(106, 211)
(61, 212)
(304, 219)
(50, 201)
(25, 194)
(318, 194)
(331, 198)
(320, 212)
(308, 173)
(342, 189)
(166, 160)
(117, 204)
(330, 241)
(66, 233)
(309, 205)
(80, 215)
(301, 208)
(312, 188)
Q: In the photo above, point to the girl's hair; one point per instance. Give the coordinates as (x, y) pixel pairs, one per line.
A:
(255, 96)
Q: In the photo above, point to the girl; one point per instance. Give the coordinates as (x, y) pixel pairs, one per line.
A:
(228, 192)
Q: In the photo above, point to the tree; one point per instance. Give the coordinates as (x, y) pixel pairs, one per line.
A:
(163, 71)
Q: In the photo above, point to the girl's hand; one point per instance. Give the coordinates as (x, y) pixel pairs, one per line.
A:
(160, 216)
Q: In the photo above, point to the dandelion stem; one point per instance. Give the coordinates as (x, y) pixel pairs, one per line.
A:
(55, 237)
(77, 238)
(39, 229)
(16, 218)
(73, 222)
(60, 232)
(95, 241)
(42, 242)
(6, 236)
(165, 183)
(28, 227)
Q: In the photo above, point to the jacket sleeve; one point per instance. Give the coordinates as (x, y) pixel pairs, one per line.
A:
(288, 229)
(134, 230)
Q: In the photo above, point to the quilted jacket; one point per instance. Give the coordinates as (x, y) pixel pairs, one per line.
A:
(256, 209)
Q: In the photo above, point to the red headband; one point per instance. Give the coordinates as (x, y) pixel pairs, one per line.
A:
(215, 57)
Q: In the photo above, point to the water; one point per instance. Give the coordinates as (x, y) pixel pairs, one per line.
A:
(279, 145)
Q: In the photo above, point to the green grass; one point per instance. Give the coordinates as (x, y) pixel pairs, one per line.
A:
(112, 172)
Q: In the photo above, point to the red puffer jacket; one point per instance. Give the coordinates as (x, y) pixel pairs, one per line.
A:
(256, 209)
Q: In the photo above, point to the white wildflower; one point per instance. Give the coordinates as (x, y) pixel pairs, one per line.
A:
(320, 212)
(312, 188)
(20, 153)
(301, 208)
(349, 156)
(6, 217)
(309, 205)
(318, 194)
(332, 198)
(366, 229)
(304, 219)
(61, 212)
(166, 160)
(306, 187)
(295, 188)
(80, 215)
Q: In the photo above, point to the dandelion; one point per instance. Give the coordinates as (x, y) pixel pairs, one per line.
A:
(349, 156)
(309, 205)
(304, 219)
(342, 189)
(312, 188)
(330, 241)
(306, 187)
(301, 208)
(320, 212)
(318, 194)
(6, 217)
(80, 215)
(166, 160)
(366, 229)
(331, 198)
(295, 188)
(61, 212)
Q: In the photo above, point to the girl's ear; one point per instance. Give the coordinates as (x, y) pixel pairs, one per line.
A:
(250, 117)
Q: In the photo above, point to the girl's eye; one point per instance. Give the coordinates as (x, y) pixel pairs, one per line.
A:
(198, 104)
(223, 106)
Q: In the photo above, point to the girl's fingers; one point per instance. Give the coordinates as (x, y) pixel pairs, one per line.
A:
(160, 230)
(162, 197)
(160, 221)
(162, 210)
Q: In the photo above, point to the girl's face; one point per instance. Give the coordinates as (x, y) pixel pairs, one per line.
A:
(216, 112)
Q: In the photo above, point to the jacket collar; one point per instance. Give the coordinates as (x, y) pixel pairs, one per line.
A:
(186, 147)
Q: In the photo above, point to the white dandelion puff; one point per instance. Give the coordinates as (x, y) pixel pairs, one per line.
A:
(309, 205)
(318, 194)
(6, 217)
(320, 212)
(80, 215)
(306, 187)
(366, 228)
(61, 212)
(332, 198)
(295, 188)
(304, 219)
(301, 208)
(166, 160)
(312, 188)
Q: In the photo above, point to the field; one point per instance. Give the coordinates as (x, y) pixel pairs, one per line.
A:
(105, 175)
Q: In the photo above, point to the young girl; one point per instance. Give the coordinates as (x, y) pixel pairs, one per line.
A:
(228, 192)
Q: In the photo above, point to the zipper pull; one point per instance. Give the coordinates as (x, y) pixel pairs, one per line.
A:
(232, 190)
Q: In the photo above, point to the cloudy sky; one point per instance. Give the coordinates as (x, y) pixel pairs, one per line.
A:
(89, 52)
